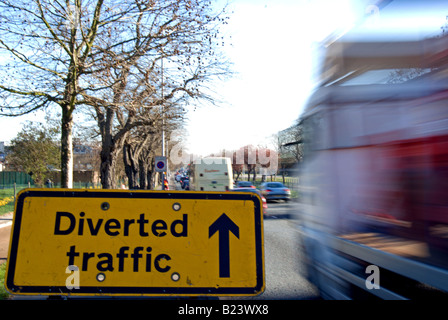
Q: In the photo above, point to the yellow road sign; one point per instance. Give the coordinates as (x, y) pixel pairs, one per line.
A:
(114, 242)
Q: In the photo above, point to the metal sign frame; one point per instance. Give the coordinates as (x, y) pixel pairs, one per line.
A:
(157, 161)
(214, 230)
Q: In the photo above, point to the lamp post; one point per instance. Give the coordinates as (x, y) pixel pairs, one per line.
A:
(163, 126)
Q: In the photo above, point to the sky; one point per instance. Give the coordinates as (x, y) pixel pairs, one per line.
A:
(269, 45)
(273, 45)
(271, 48)
(275, 50)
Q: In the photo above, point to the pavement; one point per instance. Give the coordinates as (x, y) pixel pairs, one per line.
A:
(6, 220)
(5, 232)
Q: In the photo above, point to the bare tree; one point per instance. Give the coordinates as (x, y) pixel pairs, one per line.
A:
(290, 146)
(134, 154)
(161, 60)
(144, 143)
(138, 155)
(48, 47)
(105, 54)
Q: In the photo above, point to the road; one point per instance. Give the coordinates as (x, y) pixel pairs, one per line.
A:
(284, 278)
(282, 267)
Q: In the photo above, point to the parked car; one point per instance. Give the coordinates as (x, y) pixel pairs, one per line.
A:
(275, 191)
(265, 205)
(244, 184)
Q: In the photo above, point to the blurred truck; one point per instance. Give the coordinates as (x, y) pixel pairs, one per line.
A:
(374, 176)
(212, 174)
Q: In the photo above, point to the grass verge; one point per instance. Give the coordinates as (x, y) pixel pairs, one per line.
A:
(3, 293)
(6, 201)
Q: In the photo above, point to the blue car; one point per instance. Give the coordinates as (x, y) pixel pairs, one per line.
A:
(275, 191)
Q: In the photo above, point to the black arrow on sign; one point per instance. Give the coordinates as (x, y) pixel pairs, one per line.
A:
(224, 225)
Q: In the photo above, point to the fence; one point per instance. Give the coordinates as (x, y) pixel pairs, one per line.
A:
(291, 182)
(8, 178)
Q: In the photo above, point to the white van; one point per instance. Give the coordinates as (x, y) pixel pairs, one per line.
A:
(212, 174)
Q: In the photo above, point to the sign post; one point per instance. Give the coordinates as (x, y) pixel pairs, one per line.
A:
(146, 243)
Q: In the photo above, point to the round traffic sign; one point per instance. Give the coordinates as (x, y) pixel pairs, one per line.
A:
(160, 165)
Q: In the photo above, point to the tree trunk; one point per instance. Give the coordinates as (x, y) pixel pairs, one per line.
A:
(107, 168)
(150, 174)
(66, 148)
(131, 167)
(110, 148)
(143, 169)
(238, 173)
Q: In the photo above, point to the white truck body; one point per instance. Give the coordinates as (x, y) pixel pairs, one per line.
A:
(212, 174)
(374, 179)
